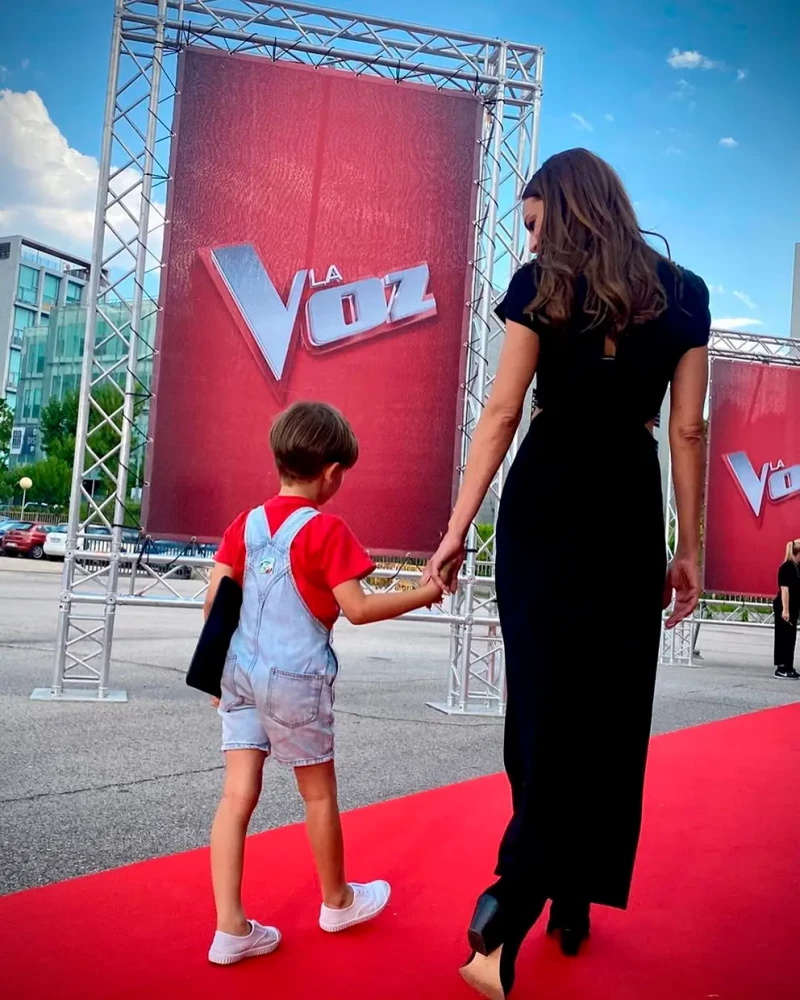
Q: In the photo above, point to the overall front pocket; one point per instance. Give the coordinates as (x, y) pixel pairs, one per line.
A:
(293, 699)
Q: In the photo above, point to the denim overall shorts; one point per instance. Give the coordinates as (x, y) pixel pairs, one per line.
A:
(277, 685)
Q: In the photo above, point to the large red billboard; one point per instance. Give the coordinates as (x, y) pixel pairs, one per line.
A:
(318, 247)
(753, 502)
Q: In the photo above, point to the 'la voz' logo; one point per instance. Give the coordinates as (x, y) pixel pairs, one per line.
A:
(775, 480)
(337, 312)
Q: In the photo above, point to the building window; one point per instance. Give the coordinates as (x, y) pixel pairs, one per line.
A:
(41, 354)
(52, 284)
(11, 399)
(28, 285)
(31, 404)
(23, 318)
(73, 293)
(5, 251)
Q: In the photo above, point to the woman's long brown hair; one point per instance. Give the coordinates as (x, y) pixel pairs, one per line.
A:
(589, 228)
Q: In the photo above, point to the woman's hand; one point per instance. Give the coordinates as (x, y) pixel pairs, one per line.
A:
(444, 565)
(785, 614)
(683, 578)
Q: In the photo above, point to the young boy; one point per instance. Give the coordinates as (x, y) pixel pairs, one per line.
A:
(298, 568)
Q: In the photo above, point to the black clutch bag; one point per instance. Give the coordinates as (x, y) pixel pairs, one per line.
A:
(208, 662)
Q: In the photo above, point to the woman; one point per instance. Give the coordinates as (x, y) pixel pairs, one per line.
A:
(787, 611)
(606, 323)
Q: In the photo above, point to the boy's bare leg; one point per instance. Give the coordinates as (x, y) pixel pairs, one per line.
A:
(317, 785)
(243, 773)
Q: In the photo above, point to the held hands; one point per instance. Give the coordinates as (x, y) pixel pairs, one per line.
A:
(683, 578)
(444, 565)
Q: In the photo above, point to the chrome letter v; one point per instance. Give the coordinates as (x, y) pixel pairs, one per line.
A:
(271, 321)
(751, 485)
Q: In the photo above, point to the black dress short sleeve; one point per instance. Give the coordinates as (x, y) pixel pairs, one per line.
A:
(521, 292)
(696, 315)
(787, 575)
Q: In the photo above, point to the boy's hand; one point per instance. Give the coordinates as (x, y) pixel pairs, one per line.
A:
(434, 591)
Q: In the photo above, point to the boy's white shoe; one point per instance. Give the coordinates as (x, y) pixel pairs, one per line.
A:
(229, 948)
(368, 901)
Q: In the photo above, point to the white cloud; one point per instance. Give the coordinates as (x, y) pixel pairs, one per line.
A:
(691, 59)
(728, 142)
(48, 189)
(745, 300)
(609, 118)
(742, 74)
(734, 323)
(673, 151)
(582, 121)
(716, 289)
(3, 72)
(25, 63)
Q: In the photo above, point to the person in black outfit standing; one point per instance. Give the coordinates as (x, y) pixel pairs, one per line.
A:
(787, 611)
(607, 324)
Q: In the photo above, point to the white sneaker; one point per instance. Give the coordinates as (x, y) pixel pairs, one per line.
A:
(229, 948)
(368, 901)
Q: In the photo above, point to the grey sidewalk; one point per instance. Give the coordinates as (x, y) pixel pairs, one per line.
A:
(87, 787)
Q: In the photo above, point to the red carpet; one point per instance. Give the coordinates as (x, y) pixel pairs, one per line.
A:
(715, 910)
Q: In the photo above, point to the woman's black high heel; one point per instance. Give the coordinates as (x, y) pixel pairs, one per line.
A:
(495, 934)
(571, 924)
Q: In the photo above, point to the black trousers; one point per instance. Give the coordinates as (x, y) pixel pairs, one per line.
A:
(785, 639)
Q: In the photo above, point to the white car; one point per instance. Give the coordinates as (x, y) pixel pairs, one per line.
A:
(55, 546)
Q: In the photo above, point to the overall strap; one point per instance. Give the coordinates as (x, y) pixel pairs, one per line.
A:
(256, 531)
(292, 526)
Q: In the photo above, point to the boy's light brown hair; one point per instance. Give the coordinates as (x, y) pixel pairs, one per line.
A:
(307, 438)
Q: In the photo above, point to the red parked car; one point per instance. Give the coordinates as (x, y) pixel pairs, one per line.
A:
(27, 541)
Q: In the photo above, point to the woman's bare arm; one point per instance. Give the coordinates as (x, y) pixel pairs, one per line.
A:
(498, 422)
(687, 446)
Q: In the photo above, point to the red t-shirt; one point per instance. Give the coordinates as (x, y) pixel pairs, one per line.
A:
(324, 555)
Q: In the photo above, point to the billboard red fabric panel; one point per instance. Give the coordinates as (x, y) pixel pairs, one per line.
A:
(319, 248)
(753, 504)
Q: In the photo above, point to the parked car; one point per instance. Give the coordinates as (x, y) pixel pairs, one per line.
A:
(27, 541)
(96, 538)
(55, 545)
(7, 525)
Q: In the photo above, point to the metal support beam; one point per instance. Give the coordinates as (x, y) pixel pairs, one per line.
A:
(147, 36)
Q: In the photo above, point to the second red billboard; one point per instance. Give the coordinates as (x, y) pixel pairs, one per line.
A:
(753, 500)
(318, 248)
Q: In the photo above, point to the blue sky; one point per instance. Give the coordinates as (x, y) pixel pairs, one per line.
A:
(695, 103)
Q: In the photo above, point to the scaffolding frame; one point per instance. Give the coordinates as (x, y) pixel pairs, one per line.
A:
(130, 223)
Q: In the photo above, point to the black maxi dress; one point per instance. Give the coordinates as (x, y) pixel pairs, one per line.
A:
(580, 576)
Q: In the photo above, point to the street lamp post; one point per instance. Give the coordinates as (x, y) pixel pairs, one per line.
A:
(25, 484)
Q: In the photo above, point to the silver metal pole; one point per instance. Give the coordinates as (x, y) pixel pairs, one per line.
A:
(489, 234)
(129, 405)
(95, 275)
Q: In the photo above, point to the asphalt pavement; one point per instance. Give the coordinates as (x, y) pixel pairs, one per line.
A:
(87, 787)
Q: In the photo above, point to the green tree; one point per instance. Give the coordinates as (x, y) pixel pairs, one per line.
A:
(51, 479)
(58, 422)
(6, 425)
